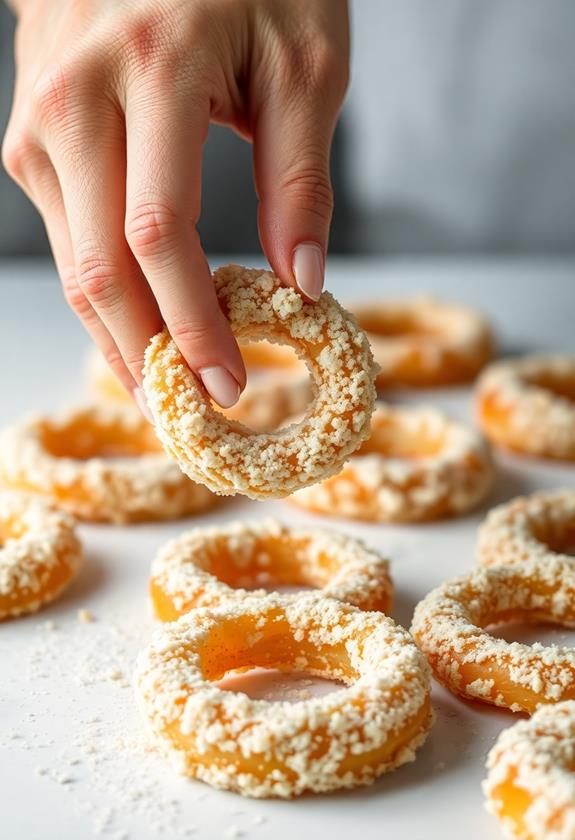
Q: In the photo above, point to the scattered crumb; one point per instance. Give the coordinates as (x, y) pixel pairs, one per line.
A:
(85, 616)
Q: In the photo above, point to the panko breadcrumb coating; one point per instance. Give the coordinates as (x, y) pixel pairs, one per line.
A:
(449, 627)
(263, 749)
(208, 565)
(417, 465)
(102, 463)
(39, 553)
(230, 458)
(423, 342)
(530, 786)
(528, 405)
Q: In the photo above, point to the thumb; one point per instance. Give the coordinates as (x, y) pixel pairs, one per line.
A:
(292, 141)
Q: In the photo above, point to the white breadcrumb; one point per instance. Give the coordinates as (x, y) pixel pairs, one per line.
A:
(115, 470)
(423, 341)
(528, 405)
(230, 458)
(533, 762)
(263, 749)
(417, 465)
(39, 554)
(205, 566)
(537, 527)
(448, 625)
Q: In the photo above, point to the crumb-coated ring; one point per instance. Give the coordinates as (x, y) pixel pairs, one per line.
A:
(264, 749)
(540, 527)
(421, 341)
(102, 463)
(527, 405)
(230, 458)
(417, 465)
(530, 786)
(449, 627)
(39, 553)
(204, 567)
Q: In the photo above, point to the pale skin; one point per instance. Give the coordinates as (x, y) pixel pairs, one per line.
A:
(111, 108)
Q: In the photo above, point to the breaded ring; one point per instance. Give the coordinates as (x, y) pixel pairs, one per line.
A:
(39, 553)
(448, 625)
(528, 405)
(530, 786)
(206, 566)
(540, 527)
(422, 342)
(417, 465)
(263, 749)
(100, 463)
(230, 458)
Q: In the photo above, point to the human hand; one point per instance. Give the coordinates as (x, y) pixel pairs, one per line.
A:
(112, 105)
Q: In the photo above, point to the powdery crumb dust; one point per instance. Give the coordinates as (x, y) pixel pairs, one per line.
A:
(527, 404)
(132, 486)
(447, 471)
(219, 736)
(184, 571)
(533, 762)
(230, 458)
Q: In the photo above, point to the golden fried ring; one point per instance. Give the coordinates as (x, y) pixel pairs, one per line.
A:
(417, 465)
(230, 458)
(39, 553)
(100, 463)
(540, 527)
(527, 405)
(530, 785)
(206, 566)
(422, 342)
(448, 625)
(263, 749)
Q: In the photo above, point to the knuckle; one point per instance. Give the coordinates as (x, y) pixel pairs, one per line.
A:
(19, 151)
(311, 189)
(74, 295)
(192, 333)
(151, 229)
(52, 94)
(97, 278)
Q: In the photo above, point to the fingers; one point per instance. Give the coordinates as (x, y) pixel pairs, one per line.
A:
(37, 177)
(164, 153)
(292, 139)
(104, 273)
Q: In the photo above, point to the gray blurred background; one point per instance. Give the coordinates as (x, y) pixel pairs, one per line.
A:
(458, 135)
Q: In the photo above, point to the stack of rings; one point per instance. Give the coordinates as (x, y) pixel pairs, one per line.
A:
(39, 553)
(343, 739)
(530, 785)
(527, 405)
(417, 465)
(100, 463)
(423, 342)
(230, 458)
(207, 566)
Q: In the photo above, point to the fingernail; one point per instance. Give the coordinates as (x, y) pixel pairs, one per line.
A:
(220, 385)
(308, 269)
(142, 403)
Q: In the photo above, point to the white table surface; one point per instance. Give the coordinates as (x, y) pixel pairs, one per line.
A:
(73, 761)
